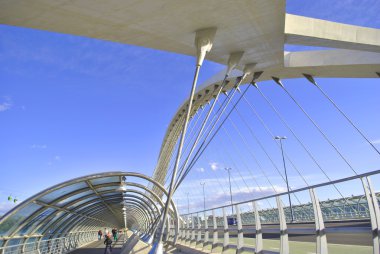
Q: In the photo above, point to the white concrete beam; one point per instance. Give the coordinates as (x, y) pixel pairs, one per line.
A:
(316, 32)
(337, 57)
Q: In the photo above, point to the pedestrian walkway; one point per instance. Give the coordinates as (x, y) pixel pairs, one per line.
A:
(98, 247)
(135, 245)
(141, 248)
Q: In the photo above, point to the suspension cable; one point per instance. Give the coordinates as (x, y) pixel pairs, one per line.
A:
(210, 131)
(235, 182)
(212, 120)
(296, 137)
(191, 134)
(254, 158)
(270, 133)
(235, 165)
(205, 145)
(311, 79)
(258, 142)
(278, 171)
(241, 157)
(248, 68)
(241, 136)
(315, 124)
(203, 125)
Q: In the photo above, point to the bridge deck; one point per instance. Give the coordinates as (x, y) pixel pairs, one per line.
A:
(98, 247)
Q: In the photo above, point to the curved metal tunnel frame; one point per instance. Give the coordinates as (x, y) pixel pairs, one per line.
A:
(74, 211)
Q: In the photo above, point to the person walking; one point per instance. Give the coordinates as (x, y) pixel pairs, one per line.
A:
(114, 234)
(106, 232)
(100, 234)
(108, 243)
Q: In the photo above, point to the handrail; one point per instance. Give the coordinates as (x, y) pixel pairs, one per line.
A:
(292, 191)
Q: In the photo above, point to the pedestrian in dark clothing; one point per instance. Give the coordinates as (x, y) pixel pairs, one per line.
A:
(100, 233)
(114, 234)
(108, 243)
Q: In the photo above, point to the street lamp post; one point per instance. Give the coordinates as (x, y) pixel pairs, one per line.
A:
(204, 196)
(286, 175)
(229, 180)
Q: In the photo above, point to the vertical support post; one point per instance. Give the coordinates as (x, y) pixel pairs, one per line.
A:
(199, 231)
(320, 232)
(23, 245)
(171, 229)
(62, 245)
(192, 229)
(377, 215)
(184, 231)
(167, 229)
(214, 232)
(188, 234)
(229, 180)
(373, 208)
(240, 236)
(259, 234)
(226, 238)
(176, 226)
(206, 233)
(286, 177)
(39, 244)
(180, 232)
(203, 42)
(284, 240)
(175, 231)
(72, 241)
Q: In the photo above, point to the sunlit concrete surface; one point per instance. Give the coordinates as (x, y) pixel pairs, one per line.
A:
(98, 247)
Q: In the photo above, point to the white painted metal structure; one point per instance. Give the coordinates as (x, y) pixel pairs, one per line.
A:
(252, 223)
(75, 210)
(259, 28)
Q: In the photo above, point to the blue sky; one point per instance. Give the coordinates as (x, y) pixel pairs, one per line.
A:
(71, 106)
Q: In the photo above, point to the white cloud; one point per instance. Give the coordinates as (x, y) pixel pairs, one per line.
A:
(54, 160)
(375, 142)
(6, 104)
(221, 198)
(37, 146)
(218, 192)
(201, 170)
(214, 165)
(6, 206)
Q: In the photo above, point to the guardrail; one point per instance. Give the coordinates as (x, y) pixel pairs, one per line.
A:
(51, 246)
(270, 224)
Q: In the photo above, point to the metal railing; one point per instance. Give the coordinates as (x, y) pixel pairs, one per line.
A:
(51, 246)
(351, 223)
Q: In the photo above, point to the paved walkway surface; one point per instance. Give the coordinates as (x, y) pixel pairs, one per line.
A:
(141, 248)
(98, 247)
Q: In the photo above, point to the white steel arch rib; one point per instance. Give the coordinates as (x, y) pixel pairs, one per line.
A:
(260, 28)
